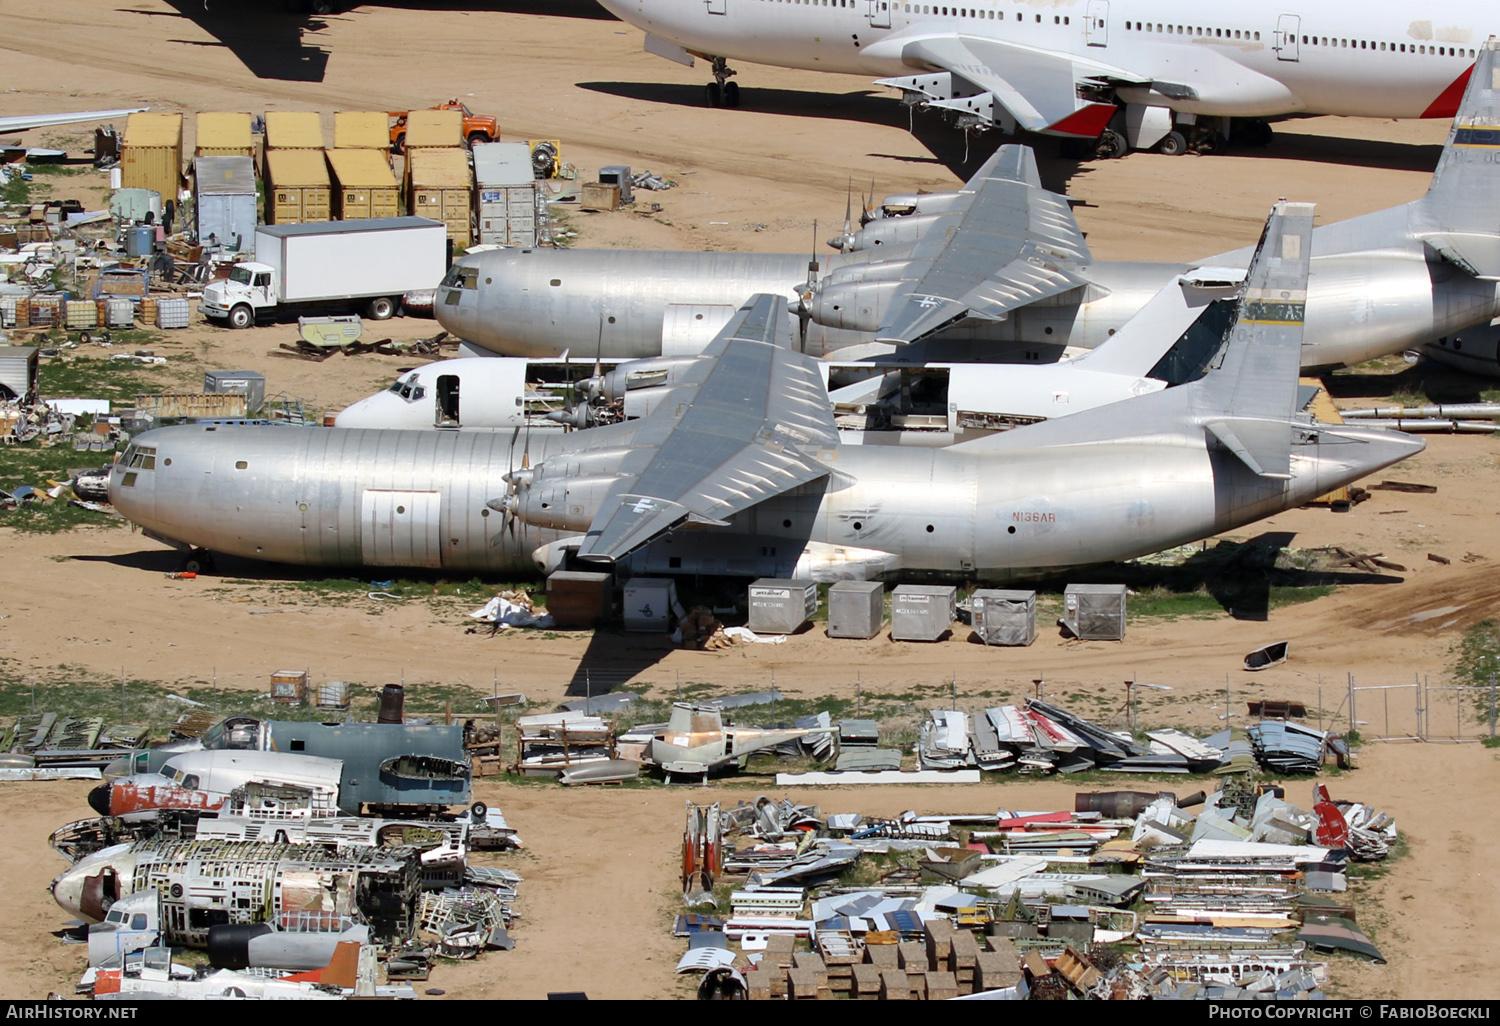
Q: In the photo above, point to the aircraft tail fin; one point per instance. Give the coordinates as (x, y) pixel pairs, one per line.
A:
(1460, 215)
(1174, 327)
(1249, 395)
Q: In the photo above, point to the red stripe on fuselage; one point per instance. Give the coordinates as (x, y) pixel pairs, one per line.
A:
(1446, 105)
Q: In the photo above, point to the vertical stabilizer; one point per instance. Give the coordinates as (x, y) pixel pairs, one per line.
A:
(1459, 218)
(1249, 396)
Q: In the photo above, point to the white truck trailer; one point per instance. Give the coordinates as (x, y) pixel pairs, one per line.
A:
(331, 267)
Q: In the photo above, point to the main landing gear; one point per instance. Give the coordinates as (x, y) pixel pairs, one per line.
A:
(721, 92)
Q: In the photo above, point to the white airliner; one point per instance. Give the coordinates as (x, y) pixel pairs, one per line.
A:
(1142, 74)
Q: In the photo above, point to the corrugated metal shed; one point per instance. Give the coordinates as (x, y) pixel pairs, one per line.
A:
(153, 128)
(294, 129)
(224, 135)
(18, 371)
(224, 176)
(361, 129)
(226, 200)
(426, 128)
(499, 164)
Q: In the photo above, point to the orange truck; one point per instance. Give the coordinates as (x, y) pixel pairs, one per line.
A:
(478, 128)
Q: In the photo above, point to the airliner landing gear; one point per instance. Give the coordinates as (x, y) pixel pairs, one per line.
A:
(721, 92)
(1111, 144)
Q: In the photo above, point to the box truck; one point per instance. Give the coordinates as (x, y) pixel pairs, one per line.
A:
(331, 267)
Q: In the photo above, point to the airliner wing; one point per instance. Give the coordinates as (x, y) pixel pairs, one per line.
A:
(1039, 88)
(751, 429)
(1013, 244)
(26, 122)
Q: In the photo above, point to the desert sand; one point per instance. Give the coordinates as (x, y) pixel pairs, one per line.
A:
(601, 864)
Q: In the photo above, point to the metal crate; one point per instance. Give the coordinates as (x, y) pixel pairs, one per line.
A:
(781, 606)
(922, 612)
(250, 384)
(289, 686)
(1095, 612)
(647, 604)
(1004, 617)
(856, 609)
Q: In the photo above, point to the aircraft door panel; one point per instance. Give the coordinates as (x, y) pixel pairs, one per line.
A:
(879, 13)
(400, 528)
(1286, 45)
(447, 401)
(717, 6)
(1096, 27)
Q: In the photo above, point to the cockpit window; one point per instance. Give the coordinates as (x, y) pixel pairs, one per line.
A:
(139, 457)
(408, 389)
(461, 277)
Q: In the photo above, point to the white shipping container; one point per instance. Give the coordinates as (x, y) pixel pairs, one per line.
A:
(348, 259)
(119, 312)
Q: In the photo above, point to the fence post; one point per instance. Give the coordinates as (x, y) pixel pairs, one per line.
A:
(1353, 719)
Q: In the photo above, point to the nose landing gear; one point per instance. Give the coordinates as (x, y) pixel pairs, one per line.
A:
(721, 92)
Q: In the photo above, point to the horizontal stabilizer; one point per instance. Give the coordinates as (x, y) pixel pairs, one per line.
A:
(1476, 253)
(1263, 445)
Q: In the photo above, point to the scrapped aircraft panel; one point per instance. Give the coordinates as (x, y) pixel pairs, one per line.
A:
(400, 528)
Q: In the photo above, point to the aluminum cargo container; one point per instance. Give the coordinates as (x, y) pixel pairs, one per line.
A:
(647, 603)
(151, 157)
(297, 187)
(1004, 617)
(617, 174)
(922, 612)
(135, 204)
(294, 130)
(856, 609)
(507, 215)
(779, 606)
(18, 371)
(250, 384)
(226, 202)
(1095, 612)
(439, 186)
(363, 130)
(578, 598)
(172, 312)
(426, 129)
(499, 165)
(224, 135)
(363, 185)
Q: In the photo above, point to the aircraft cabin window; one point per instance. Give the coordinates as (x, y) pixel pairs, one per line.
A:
(1257, 36)
(190, 782)
(555, 282)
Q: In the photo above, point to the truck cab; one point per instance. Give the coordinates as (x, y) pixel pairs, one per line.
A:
(247, 294)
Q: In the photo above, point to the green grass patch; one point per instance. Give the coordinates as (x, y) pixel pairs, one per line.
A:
(58, 170)
(84, 376)
(16, 191)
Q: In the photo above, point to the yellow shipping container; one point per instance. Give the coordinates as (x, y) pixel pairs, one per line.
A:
(224, 135)
(362, 130)
(440, 185)
(151, 157)
(297, 187)
(363, 185)
(294, 130)
(428, 128)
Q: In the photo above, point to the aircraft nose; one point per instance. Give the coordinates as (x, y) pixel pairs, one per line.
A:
(367, 413)
(99, 799)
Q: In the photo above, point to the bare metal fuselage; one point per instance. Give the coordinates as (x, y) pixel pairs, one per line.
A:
(338, 497)
(1373, 290)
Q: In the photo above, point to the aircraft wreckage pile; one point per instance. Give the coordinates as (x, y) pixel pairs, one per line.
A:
(1130, 895)
(301, 856)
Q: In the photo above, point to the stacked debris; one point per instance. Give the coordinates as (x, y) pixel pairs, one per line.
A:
(1031, 904)
(553, 743)
(1285, 747)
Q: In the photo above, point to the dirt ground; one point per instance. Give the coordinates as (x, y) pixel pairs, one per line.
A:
(600, 864)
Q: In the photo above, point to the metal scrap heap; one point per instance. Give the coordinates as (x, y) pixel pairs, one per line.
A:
(1130, 895)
